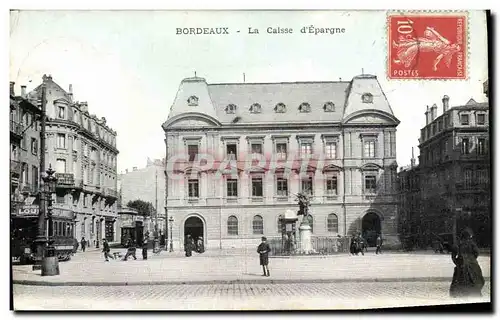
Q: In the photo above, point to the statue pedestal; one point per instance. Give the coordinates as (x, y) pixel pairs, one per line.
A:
(305, 239)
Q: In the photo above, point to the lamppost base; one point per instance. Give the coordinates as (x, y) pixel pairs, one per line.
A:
(40, 243)
(50, 266)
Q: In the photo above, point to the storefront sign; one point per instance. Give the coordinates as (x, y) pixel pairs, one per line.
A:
(139, 218)
(29, 211)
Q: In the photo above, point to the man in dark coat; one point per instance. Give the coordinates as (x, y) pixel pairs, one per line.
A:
(468, 278)
(188, 246)
(84, 244)
(106, 250)
(379, 245)
(263, 249)
(145, 249)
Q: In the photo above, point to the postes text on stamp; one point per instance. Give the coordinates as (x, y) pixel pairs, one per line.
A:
(427, 46)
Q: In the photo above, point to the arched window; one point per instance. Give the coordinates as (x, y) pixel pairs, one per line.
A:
(258, 225)
(332, 223)
(232, 226)
(280, 223)
(310, 219)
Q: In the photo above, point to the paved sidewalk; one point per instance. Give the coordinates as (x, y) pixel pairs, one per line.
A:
(89, 269)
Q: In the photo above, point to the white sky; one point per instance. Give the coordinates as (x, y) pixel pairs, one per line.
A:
(128, 65)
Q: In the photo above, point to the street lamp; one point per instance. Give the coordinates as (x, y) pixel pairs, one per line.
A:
(50, 262)
(171, 220)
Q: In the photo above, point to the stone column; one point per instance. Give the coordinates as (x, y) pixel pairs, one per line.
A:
(305, 238)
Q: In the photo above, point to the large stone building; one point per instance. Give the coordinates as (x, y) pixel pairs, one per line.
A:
(146, 184)
(453, 185)
(81, 148)
(25, 118)
(238, 153)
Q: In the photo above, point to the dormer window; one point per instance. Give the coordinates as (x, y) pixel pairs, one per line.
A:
(367, 98)
(192, 101)
(231, 108)
(305, 107)
(255, 108)
(280, 108)
(329, 107)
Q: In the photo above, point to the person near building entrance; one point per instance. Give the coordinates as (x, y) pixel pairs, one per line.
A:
(145, 249)
(130, 251)
(200, 248)
(468, 278)
(379, 245)
(84, 244)
(188, 245)
(263, 249)
(106, 250)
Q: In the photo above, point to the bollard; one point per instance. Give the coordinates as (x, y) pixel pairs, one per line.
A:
(50, 266)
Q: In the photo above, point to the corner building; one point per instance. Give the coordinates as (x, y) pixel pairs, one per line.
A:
(238, 153)
(81, 148)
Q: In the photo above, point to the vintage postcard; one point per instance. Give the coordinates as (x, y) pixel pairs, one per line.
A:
(249, 160)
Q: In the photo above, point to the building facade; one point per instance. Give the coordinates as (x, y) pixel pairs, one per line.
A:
(81, 148)
(453, 177)
(146, 184)
(25, 118)
(237, 154)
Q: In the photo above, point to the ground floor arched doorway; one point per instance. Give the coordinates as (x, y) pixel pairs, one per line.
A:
(371, 227)
(194, 227)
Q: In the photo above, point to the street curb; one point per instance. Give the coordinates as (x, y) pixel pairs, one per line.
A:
(214, 282)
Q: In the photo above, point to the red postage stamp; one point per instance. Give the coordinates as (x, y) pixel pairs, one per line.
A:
(427, 46)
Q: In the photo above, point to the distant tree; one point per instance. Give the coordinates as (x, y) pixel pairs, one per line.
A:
(143, 208)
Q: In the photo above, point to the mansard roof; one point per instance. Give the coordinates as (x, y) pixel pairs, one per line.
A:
(280, 102)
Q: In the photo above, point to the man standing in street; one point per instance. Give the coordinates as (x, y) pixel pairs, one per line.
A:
(106, 250)
(379, 245)
(84, 244)
(263, 249)
(130, 250)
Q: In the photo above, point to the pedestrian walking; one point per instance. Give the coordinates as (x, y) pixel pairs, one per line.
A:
(130, 250)
(468, 278)
(353, 246)
(188, 245)
(379, 245)
(84, 244)
(145, 249)
(106, 250)
(263, 249)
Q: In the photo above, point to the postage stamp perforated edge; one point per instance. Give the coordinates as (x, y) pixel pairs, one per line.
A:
(429, 13)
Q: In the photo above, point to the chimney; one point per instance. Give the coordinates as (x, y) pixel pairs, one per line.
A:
(433, 112)
(84, 106)
(427, 116)
(446, 103)
(126, 170)
(70, 92)
(12, 93)
(23, 91)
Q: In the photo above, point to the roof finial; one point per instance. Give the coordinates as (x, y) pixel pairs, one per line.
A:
(243, 77)
(362, 71)
(195, 73)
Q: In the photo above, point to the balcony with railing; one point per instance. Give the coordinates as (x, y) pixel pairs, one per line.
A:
(16, 129)
(109, 192)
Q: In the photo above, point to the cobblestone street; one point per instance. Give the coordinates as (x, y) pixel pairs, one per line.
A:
(237, 296)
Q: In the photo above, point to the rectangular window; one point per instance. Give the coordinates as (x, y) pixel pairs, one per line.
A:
(23, 143)
(370, 183)
(257, 187)
(61, 141)
(231, 150)
(256, 148)
(481, 119)
(281, 151)
(24, 173)
(331, 150)
(305, 150)
(468, 179)
(192, 152)
(369, 149)
(193, 186)
(60, 166)
(34, 146)
(465, 146)
(464, 119)
(85, 201)
(282, 187)
(61, 112)
(440, 126)
(481, 146)
(75, 141)
(331, 186)
(34, 172)
(232, 187)
(306, 186)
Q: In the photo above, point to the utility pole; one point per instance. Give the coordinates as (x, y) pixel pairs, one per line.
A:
(41, 239)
